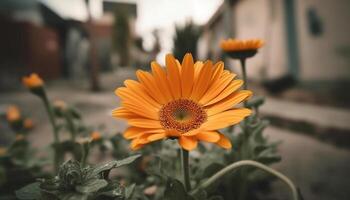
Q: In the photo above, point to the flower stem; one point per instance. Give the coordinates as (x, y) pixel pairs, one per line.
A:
(54, 129)
(244, 74)
(185, 169)
(236, 165)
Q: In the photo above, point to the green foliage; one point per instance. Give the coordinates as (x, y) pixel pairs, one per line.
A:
(77, 182)
(185, 40)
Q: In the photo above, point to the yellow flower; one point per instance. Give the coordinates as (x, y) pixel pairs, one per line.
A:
(241, 45)
(28, 124)
(13, 114)
(187, 101)
(95, 136)
(33, 81)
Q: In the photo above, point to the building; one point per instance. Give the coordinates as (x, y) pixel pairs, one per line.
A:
(307, 40)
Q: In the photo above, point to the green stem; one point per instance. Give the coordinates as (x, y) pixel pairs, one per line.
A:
(54, 129)
(244, 73)
(236, 165)
(85, 152)
(185, 169)
(70, 123)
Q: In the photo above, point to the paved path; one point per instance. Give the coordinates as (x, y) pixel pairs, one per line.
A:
(322, 116)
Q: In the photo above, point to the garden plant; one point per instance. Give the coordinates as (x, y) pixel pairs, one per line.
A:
(195, 133)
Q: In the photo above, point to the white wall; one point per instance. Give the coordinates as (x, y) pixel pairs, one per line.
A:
(264, 20)
(319, 56)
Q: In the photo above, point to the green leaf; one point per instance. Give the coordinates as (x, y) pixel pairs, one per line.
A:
(216, 197)
(91, 186)
(31, 191)
(129, 191)
(73, 196)
(127, 160)
(255, 102)
(175, 190)
(113, 189)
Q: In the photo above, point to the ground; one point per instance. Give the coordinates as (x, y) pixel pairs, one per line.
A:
(320, 169)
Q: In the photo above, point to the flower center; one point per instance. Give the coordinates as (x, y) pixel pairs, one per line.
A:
(182, 115)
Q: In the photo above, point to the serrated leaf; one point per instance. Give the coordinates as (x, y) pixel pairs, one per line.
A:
(31, 191)
(91, 186)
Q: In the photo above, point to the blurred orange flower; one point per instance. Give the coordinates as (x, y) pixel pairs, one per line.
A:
(241, 45)
(33, 81)
(19, 137)
(95, 136)
(189, 102)
(13, 113)
(3, 151)
(28, 124)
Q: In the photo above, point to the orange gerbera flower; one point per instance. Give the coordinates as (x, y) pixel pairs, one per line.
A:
(241, 45)
(187, 101)
(33, 81)
(13, 114)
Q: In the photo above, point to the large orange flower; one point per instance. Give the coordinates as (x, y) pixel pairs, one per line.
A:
(187, 101)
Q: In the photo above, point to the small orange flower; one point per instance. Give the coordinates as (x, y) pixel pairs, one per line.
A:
(19, 137)
(59, 104)
(28, 124)
(95, 136)
(241, 45)
(3, 151)
(33, 81)
(13, 114)
(189, 102)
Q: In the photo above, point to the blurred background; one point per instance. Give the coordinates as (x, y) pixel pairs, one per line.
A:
(84, 49)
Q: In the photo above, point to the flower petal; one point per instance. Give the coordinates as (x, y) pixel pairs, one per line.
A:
(208, 136)
(224, 142)
(225, 119)
(173, 76)
(229, 102)
(188, 143)
(187, 75)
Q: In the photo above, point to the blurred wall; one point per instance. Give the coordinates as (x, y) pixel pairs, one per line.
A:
(305, 38)
(324, 39)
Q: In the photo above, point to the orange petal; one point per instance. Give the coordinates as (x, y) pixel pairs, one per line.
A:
(217, 87)
(145, 123)
(155, 137)
(229, 102)
(208, 136)
(225, 119)
(161, 77)
(123, 113)
(224, 142)
(202, 83)
(188, 143)
(232, 87)
(151, 86)
(187, 75)
(173, 76)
